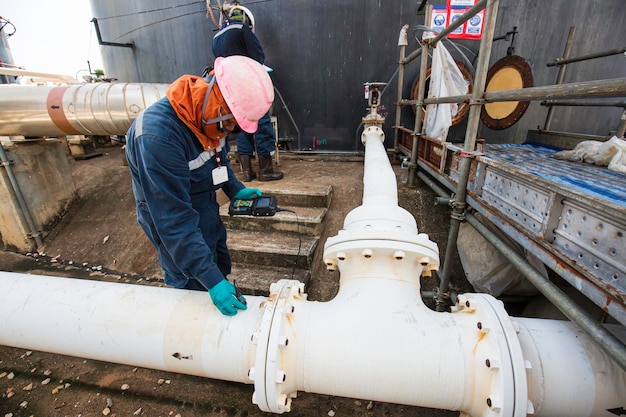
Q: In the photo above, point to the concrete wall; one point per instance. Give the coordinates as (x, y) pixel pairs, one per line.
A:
(43, 174)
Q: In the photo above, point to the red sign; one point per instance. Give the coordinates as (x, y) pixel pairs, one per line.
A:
(443, 16)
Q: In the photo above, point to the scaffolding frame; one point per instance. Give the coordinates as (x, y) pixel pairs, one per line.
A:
(459, 201)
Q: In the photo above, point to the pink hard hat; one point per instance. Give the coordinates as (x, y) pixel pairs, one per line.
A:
(246, 87)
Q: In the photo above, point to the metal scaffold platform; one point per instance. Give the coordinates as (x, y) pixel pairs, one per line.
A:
(571, 215)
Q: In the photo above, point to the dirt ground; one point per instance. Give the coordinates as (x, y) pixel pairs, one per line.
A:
(100, 239)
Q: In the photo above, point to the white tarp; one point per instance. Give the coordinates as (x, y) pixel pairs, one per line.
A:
(446, 79)
(611, 154)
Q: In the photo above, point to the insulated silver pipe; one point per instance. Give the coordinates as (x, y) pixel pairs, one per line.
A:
(17, 72)
(81, 109)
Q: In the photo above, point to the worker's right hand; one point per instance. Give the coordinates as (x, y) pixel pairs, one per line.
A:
(248, 194)
(224, 296)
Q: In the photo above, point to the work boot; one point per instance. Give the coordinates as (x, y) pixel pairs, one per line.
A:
(266, 170)
(246, 167)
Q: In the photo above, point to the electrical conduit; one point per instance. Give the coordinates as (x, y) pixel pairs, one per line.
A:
(375, 340)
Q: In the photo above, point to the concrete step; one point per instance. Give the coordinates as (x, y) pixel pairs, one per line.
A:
(276, 249)
(254, 279)
(304, 220)
(267, 249)
(297, 194)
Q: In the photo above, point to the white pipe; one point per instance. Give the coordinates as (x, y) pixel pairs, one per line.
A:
(23, 73)
(568, 374)
(79, 109)
(375, 340)
(380, 218)
(378, 343)
(157, 328)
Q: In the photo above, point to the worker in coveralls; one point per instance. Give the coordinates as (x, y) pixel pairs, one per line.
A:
(236, 37)
(177, 155)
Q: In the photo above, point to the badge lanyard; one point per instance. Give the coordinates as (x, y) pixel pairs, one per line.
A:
(220, 173)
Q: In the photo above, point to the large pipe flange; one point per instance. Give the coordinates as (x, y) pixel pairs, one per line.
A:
(497, 357)
(274, 373)
(348, 251)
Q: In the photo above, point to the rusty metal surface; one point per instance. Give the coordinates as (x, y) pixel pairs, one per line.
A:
(603, 189)
(570, 215)
(601, 292)
(509, 73)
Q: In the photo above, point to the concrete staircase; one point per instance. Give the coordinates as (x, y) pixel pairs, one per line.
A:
(267, 249)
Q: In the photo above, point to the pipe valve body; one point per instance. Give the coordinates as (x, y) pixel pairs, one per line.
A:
(373, 94)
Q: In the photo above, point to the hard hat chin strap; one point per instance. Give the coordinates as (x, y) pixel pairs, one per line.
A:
(211, 80)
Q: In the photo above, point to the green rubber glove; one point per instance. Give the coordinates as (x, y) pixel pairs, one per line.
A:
(225, 299)
(248, 194)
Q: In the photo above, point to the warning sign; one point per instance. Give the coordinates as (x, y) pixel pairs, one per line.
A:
(444, 16)
(439, 18)
(453, 14)
(461, 3)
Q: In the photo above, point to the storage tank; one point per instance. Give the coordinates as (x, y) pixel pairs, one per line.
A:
(6, 58)
(323, 51)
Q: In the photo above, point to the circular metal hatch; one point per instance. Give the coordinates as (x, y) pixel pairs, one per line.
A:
(463, 107)
(510, 73)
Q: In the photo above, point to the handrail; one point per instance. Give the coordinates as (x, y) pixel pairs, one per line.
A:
(101, 42)
(561, 61)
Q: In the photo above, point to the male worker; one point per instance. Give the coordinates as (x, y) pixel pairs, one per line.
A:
(177, 155)
(236, 37)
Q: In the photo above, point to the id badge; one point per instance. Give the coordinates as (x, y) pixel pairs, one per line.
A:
(220, 175)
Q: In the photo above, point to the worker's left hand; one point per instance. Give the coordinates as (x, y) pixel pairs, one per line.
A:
(248, 194)
(224, 296)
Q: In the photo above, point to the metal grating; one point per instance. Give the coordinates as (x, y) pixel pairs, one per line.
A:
(516, 199)
(593, 240)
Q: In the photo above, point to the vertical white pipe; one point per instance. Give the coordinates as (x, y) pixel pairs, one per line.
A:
(380, 210)
(379, 182)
